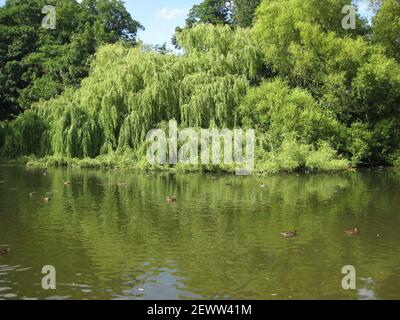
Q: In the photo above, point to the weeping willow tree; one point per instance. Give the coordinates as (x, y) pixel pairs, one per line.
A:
(219, 82)
(23, 136)
(314, 93)
(130, 92)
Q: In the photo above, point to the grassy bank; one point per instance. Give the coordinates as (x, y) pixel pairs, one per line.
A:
(298, 162)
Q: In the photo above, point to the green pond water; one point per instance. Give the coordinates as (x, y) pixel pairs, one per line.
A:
(111, 235)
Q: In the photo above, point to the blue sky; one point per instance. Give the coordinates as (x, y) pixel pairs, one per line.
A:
(160, 17)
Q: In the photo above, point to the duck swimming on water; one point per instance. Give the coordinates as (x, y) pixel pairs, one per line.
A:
(3, 251)
(170, 199)
(289, 234)
(352, 232)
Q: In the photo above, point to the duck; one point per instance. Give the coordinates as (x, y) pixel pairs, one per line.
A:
(45, 173)
(352, 232)
(288, 234)
(170, 199)
(229, 183)
(67, 183)
(3, 251)
(31, 194)
(46, 198)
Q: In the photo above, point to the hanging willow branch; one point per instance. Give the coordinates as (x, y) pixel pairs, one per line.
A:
(130, 92)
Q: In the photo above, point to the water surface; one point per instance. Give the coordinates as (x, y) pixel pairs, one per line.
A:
(111, 235)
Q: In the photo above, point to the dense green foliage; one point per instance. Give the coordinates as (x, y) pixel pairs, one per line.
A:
(245, 12)
(210, 11)
(37, 63)
(234, 12)
(112, 111)
(349, 77)
(387, 26)
(318, 96)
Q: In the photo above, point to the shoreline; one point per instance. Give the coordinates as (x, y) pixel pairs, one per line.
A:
(113, 164)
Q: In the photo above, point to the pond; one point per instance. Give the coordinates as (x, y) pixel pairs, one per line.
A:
(112, 235)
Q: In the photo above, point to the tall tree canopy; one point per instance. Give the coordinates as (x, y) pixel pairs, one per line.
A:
(245, 11)
(211, 11)
(386, 28)
(304, 43)
(37, 63)
(233, 12)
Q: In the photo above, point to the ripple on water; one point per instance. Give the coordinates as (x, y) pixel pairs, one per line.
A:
(215, 241)
(57, 298)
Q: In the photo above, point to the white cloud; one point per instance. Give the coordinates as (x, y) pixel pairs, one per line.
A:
(171, 14)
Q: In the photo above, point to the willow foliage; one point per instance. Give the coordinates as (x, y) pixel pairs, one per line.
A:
(130, 91)
(24, 136)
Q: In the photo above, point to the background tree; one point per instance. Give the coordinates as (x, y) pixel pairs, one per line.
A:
(232, 12)
(236, 13)
(305, 44)
(386, 28)
(245, 12)
(211, 11)
(39, 64)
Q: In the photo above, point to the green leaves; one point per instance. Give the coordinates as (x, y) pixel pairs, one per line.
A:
(216, 12)
(39, 64)
(239, 13)
(386, 28)
(377, 88)
(245, 12)
(130, 92)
